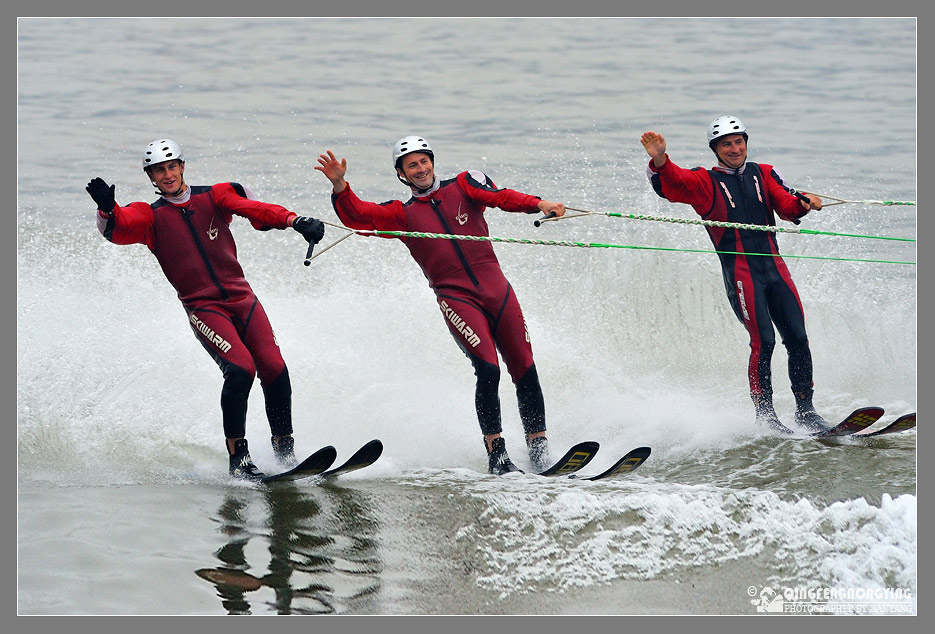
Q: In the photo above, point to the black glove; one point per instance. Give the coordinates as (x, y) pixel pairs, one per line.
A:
(102, 195)
(312, 229)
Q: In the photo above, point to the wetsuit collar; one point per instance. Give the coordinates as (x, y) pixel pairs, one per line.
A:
(422, 193)
(181, 199)
(731, 170)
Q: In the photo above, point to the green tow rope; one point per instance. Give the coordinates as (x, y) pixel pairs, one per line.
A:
(726, 225)
(714, 223)
(598, 245)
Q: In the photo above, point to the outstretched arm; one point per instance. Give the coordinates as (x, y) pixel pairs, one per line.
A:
(547, 207)
(237, 199)
(479, 187)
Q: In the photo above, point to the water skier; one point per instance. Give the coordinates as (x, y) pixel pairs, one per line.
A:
(187, 230)
(759, 288)
(476, 300)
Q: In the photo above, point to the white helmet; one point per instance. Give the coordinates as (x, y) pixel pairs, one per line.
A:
(160, 151)
(409, 144)
(722, 126)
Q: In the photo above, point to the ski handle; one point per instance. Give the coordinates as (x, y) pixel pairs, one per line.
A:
(538, 222)
(551, 217)
(805, 199)
(308, 254)
(841, 201)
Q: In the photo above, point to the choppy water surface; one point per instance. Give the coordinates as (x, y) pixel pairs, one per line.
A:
(634, 346)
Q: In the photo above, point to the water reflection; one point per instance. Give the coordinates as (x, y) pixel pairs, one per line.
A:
(317, 545)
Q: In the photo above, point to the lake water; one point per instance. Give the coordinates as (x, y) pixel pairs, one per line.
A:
(124, 506)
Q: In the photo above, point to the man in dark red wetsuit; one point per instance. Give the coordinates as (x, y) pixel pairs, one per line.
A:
(188, 231)
(759, 287)
(476, 300)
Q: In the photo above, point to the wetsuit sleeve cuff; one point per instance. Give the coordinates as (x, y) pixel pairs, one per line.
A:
(652, 164)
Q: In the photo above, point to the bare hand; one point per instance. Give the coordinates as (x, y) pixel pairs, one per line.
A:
(814, 202)
(547, 206)
(333, 169)
(655, 145)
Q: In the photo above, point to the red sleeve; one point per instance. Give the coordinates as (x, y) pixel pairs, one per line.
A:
(132, 224)
(360, 214)
(480, 188)
(786, 205)
(679, 185)
(231, 196)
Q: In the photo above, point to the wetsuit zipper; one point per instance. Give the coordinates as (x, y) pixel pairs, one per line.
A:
(457, 247)
(758, 239)
(186, 215)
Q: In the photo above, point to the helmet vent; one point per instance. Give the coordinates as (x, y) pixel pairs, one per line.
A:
(161, 151)
(725, 125)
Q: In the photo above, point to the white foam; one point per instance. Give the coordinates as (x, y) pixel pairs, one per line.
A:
(549, 537)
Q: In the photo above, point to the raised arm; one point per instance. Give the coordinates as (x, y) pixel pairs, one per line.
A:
(121, 225)
(655, 145)
(354, 212)
(333, 169)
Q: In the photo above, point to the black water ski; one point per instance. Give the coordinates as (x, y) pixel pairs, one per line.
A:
(903, 423)
(364, 457)
(858, 420)
(311, 466)
(576, 458)
(628, 463)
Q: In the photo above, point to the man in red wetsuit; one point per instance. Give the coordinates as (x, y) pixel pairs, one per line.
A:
(759, 287)
(476, 300)
(188, 231)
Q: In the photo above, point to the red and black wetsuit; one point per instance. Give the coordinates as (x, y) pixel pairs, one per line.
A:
(477, 302)
(760, 288)
(194, 246)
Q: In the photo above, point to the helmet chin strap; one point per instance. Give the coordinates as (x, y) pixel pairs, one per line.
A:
(411, 186)
(721, 162)
(420, 192)
(175, 195)
(178, 192)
